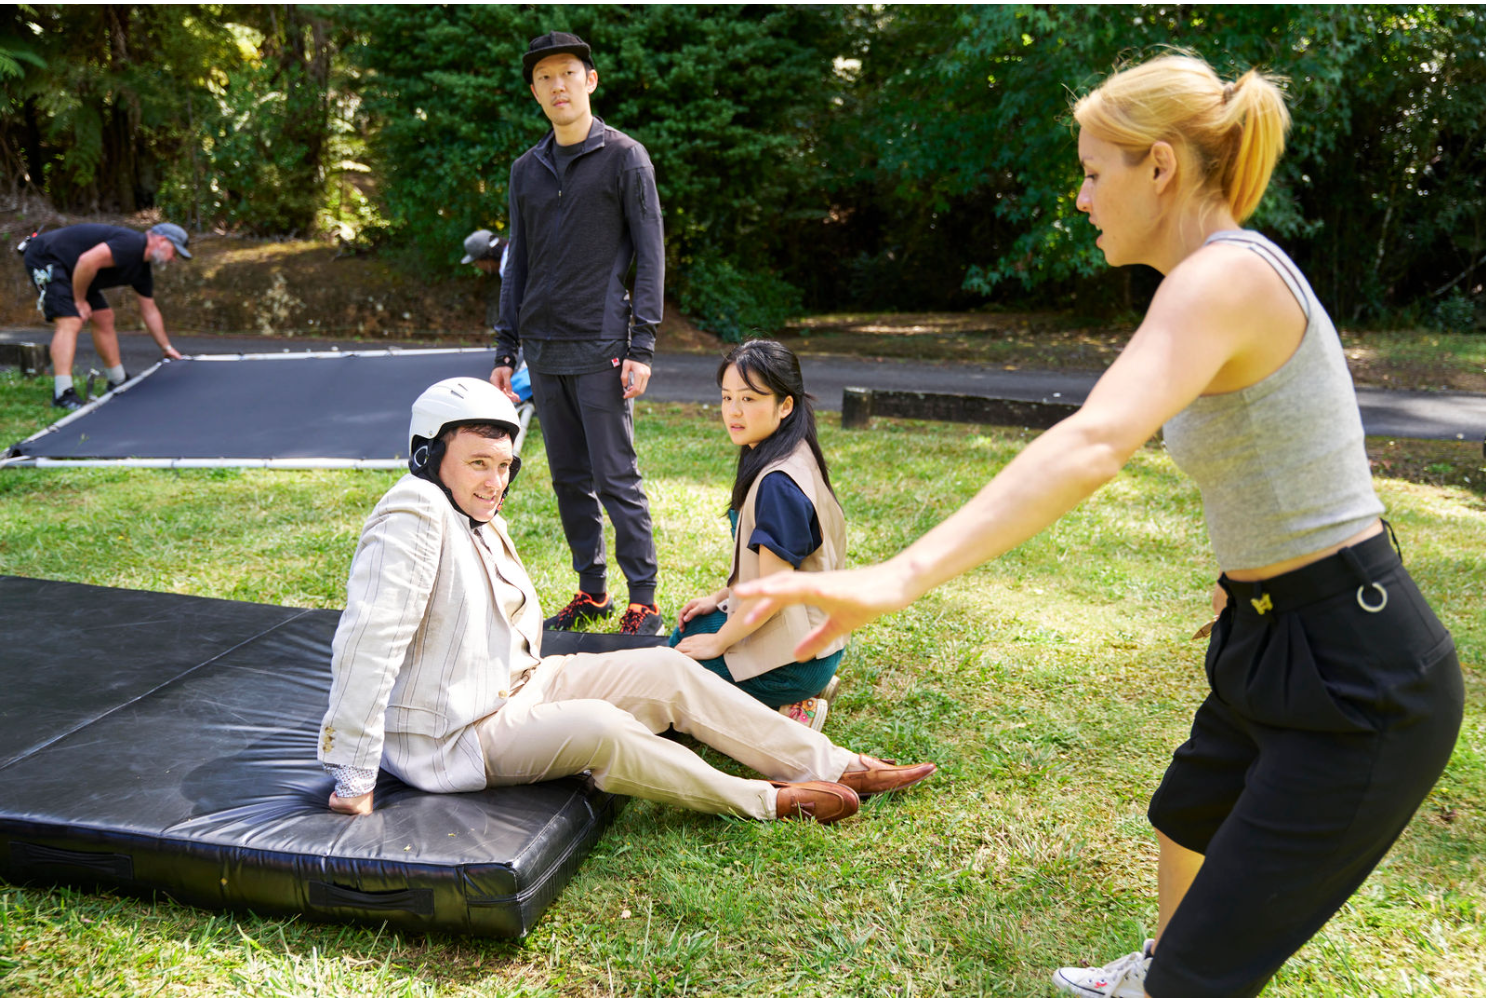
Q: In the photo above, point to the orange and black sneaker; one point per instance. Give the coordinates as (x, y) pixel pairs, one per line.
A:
(583, 607)
(642, 618)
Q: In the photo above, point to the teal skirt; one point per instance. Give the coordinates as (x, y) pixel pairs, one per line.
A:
(789, 683)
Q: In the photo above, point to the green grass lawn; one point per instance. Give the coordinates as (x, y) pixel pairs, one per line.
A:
(1050, 687)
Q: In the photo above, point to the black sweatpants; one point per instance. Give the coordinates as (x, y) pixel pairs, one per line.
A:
(1336, 700)
(588, 428)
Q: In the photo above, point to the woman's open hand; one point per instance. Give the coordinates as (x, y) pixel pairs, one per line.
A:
(850, 598)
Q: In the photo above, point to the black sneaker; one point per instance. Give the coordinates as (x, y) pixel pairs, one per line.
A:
(68, 400)
(642, 618)
(116, 385)
(583, 607)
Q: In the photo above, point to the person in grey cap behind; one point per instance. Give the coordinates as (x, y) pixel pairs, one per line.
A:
(70, 268)
(583, 208)
(488, 252)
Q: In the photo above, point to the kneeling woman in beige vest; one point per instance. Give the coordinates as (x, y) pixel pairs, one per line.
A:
(785, 519)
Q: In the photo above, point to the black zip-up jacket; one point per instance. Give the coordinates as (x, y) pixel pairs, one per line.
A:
(572, 241)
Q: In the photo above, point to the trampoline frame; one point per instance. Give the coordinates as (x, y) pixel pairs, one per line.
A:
(524, 410)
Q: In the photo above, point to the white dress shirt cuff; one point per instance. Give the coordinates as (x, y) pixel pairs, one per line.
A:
(351, 781)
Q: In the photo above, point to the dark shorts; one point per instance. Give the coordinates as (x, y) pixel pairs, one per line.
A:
(56, 295)
(1336, 700)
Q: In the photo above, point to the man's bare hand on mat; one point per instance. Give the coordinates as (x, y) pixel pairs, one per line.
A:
(352, 805)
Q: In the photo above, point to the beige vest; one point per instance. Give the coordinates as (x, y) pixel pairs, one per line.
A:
(773, 645)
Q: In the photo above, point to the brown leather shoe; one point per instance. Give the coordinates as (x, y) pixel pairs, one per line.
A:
(882, 776)
(825, 802)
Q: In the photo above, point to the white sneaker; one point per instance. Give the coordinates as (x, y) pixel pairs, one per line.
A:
(1125, 978)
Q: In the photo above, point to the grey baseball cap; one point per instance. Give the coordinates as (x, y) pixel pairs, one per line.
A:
(175, 234)
(477, 245)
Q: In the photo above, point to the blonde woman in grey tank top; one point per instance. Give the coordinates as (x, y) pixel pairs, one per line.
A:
(1336, 694)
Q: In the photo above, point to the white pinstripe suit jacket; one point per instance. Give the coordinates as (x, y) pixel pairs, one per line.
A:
(424, 648)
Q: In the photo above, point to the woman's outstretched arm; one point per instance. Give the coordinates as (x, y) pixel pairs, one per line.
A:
(1204, 317)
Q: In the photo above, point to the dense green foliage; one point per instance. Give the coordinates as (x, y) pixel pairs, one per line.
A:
(856, 156)
(259, 137)
(961, 130)
(93, 98)
(219, 116)
(715, 93)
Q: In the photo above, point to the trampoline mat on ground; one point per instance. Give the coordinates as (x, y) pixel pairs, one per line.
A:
(308, 407)
(156, 742)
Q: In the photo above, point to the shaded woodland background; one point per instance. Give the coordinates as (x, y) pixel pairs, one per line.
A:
(860, 157)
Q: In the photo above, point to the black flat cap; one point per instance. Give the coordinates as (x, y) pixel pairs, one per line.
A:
(553, 43)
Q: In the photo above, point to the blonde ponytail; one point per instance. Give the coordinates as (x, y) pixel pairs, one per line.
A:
(1256, 110)
(1227, 137)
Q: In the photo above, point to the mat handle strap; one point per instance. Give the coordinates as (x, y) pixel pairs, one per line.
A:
(111, 864)
(419, 901)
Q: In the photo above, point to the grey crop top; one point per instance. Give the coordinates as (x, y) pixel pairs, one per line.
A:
(1280, 464)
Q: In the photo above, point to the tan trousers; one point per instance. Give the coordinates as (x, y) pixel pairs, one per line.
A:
(602, 713)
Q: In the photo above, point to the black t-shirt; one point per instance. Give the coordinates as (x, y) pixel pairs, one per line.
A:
(565, 155)
(62, 247)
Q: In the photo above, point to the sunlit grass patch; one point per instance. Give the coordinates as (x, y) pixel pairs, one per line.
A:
(1050, 686)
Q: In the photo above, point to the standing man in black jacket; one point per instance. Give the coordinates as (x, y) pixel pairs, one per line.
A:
(583, 208)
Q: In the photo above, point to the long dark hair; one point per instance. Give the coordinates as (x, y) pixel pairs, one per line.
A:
(767, 366)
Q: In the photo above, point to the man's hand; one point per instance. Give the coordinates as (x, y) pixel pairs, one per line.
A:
(635, 376)
(501, 378)
(171, 352)
(83, 273)
(352, 805)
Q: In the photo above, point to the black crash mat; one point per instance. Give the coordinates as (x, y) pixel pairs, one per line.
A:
(155, 742)
(348, 406)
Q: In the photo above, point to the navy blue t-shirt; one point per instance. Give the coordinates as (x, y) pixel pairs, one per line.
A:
(784, 520)
(62, 247)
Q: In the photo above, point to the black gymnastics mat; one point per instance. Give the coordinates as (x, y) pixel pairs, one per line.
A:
(276, 410)
(156, 742)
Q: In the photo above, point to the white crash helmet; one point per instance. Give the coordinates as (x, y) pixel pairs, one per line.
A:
(458, 402)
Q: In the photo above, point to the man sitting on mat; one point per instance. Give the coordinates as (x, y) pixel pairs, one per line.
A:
(438, 675)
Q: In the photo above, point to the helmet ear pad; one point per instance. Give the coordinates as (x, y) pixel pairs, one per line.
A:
(427, 455)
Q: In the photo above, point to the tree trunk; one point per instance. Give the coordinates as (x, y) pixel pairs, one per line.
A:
(118, 171)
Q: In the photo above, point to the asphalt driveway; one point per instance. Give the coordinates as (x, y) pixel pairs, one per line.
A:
(689, 378)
